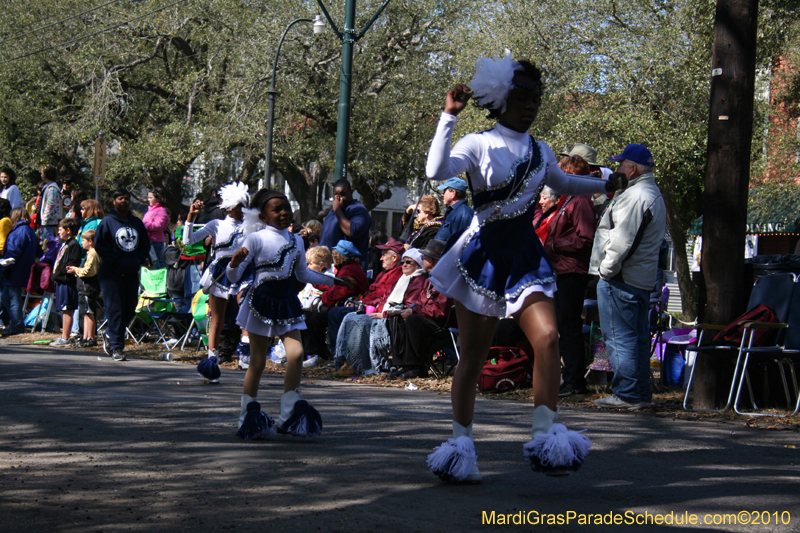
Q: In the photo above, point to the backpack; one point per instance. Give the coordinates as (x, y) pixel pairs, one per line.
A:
(732, 334)
(506, 368)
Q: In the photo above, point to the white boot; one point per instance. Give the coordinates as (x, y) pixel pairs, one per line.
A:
(543, 418)
(461, 431)
(245, 401)
(287, 405)
(214, 352)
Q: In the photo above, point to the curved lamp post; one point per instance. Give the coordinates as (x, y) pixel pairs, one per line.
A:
(319, 27)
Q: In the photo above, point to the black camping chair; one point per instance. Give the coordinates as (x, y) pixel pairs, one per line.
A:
(774, 291)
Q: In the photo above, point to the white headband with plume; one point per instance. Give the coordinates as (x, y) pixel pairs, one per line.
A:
(492, 80)
(233, 194)
(251, 221)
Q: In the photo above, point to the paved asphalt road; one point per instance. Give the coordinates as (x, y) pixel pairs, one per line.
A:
(90, 445)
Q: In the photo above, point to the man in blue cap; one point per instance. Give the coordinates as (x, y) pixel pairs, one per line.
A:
(457, 213)
(625, 256)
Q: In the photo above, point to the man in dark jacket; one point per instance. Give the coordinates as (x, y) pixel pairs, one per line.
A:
(457, 213)
(123, 245)
(20, 253)
(348, 220)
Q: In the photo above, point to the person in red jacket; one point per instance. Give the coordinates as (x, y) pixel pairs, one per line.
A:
(426, 313)
(569, 246)
(378, 292)
(346, 260)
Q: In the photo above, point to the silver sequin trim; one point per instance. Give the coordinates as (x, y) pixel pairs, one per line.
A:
(268, 320)
(520, 193)
(278, 265)
(525, 207)
(512, 172)
(493, 295)
(227, 244)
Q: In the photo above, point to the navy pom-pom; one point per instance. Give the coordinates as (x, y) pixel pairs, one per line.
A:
(256, 425)
(304, 422)
(209, 368)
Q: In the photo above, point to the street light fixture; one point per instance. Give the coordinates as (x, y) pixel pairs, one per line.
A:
(319, 27)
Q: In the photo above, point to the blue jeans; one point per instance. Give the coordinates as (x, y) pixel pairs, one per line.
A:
(623, 320)
(11, 298)
(191, 284)
(156, 249)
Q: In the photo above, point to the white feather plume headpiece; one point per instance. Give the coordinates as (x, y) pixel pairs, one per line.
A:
(492, 80)
(251, 222)
(234, 194)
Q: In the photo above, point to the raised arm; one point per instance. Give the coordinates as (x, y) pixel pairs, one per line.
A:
(443, 163)
(190, 236)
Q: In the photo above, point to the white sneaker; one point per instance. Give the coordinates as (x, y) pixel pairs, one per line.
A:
(169, 343)
(312, 362)
(61, 341)
(615, 402)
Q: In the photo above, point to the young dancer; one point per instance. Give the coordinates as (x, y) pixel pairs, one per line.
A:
(228, 237)
(271, 309)
(498, 268)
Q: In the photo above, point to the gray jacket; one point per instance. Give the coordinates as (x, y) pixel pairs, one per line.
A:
(629, 236)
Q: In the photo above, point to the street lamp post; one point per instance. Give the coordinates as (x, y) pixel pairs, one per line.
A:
(348, 38)
(319, 27)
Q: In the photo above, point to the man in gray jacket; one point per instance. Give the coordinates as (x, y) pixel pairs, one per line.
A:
(625, 256)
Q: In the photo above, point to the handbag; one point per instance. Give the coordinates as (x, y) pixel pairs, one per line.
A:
(397, 334)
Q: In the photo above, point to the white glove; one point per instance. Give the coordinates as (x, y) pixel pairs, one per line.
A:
(7, 262)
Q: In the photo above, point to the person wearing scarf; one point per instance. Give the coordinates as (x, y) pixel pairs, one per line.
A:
(363, 340)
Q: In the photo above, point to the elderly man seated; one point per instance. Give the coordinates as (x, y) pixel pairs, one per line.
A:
(377, 293)
(364, 341)
(426, 312)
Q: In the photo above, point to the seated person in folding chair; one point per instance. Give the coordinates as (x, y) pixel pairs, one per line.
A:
(376, 294)
(363, 341)
(426, 313)
(228, 238)
(346, 260)
(122, 243)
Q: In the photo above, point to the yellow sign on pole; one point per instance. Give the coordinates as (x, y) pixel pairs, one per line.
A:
(99, 161)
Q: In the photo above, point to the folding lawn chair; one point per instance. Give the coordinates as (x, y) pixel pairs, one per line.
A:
(785, 353)
(444, 338)
(199, 323)
(774, 291)
(157, 311)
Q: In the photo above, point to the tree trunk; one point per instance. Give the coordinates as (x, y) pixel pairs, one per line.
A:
(730, 132)
(678, 231)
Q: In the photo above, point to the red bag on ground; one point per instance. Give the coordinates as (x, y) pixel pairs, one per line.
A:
(506, 368)
(732, 334)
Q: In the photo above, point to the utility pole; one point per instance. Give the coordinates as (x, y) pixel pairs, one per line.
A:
(730, 132)
(348, 37)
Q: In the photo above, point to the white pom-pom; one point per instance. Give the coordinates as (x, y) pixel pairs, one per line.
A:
(492, 80)
(557, 450)
(453, 460)
(234, 194)
(251, 222)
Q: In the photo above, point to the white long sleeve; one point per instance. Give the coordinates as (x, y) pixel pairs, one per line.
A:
(190, 236)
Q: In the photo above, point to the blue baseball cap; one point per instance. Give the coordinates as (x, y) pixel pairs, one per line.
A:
(636, 153)
(347, 249)
(453, 183)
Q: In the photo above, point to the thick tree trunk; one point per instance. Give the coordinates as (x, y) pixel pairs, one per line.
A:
(730, 132)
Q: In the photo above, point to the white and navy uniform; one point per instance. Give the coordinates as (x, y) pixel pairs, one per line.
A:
(271, 306)
(228, 238)
(499, 261)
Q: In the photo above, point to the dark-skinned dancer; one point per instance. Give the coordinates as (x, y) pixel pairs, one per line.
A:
(498, 268)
